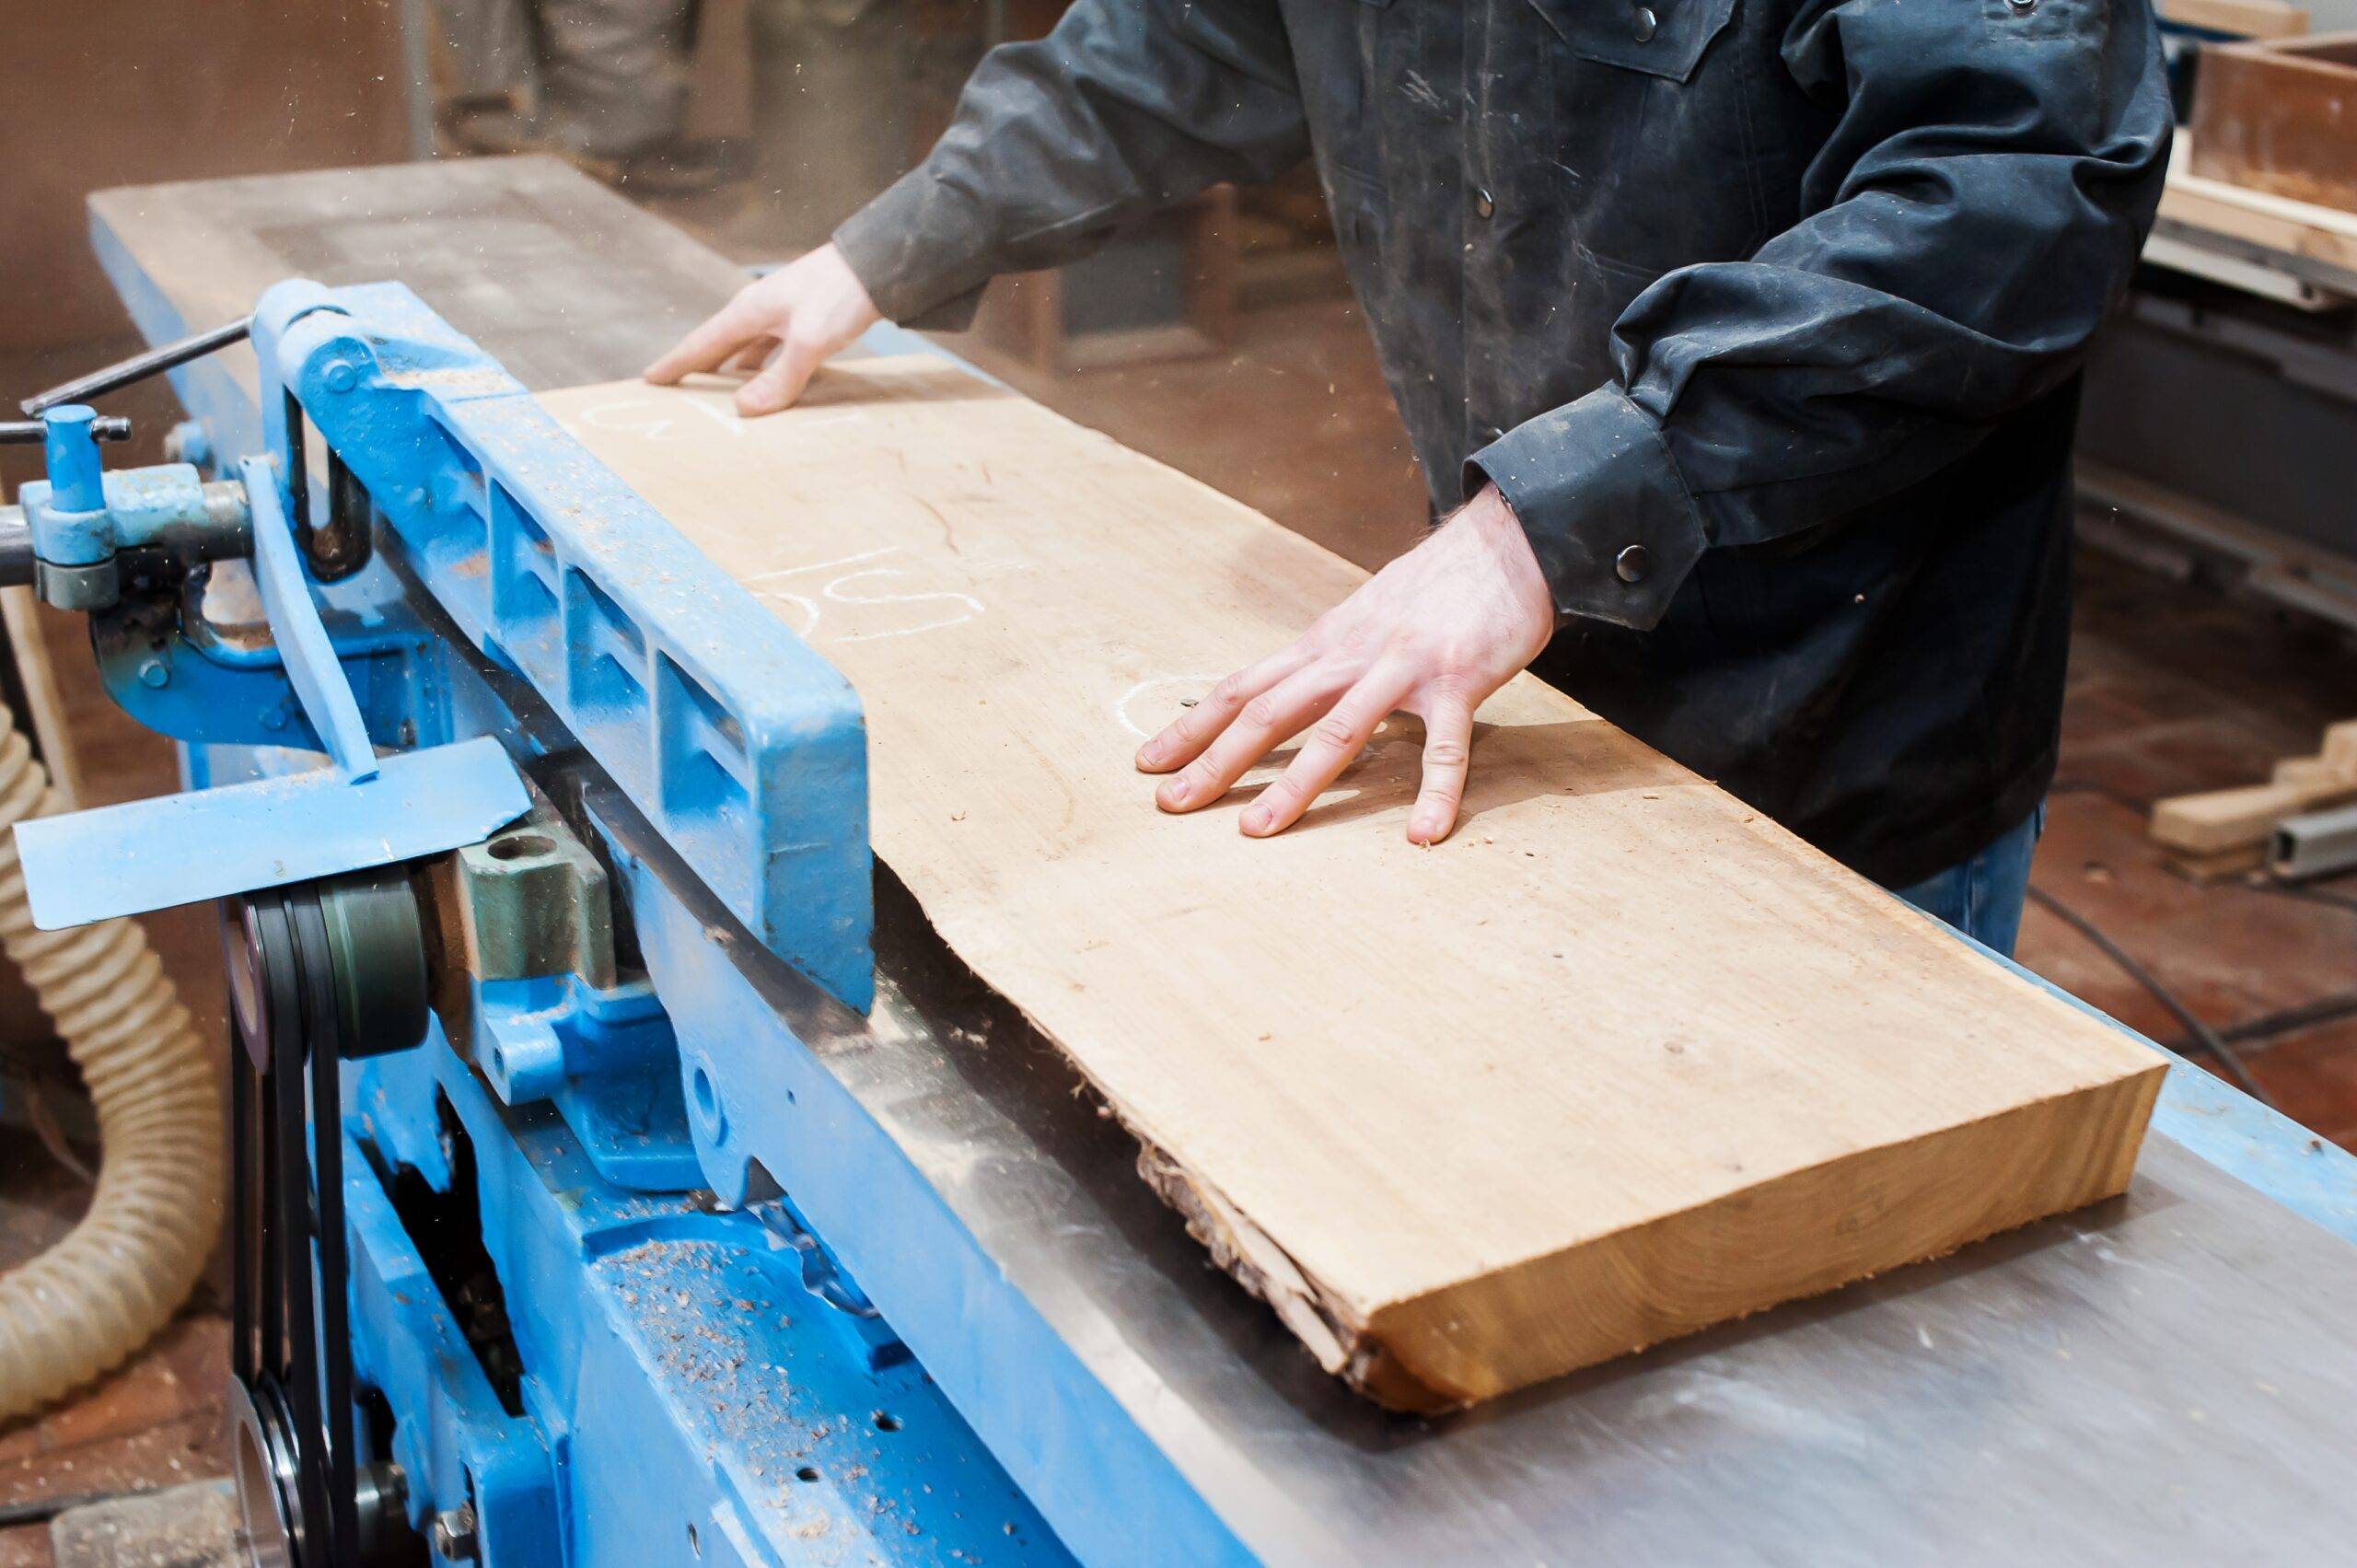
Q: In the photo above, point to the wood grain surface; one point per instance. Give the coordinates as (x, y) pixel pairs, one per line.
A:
(1619, 1059)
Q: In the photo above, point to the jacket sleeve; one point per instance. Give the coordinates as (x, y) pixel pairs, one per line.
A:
(1991, 177)
(1126, 107)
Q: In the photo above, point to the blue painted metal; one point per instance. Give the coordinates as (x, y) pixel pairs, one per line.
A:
(683, 1395)
(744, 747)
(407, 1344)
(551, 1027)
(765, 1112)
(605, 1058)
(81, 516)
(155, 853)
(180, 849)
(70, 449)
(308, 656)
(187, 682)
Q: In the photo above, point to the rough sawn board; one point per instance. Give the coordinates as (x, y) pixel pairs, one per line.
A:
(1620, 1059)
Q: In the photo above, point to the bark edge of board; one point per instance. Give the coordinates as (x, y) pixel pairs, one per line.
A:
(1603, 1299)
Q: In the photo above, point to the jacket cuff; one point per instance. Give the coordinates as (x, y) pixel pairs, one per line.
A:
(920, 249)
(1603, 505)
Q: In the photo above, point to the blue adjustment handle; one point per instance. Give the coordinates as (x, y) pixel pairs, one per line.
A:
(302, 638)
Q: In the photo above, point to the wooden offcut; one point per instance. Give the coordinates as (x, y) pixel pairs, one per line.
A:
(2229, 822)
(1619, 1059)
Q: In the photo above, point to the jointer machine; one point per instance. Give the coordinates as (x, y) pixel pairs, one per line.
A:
(617, 1178)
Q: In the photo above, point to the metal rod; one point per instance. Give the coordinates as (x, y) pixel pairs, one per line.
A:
(33, 431)
(16, 568)
(139, 367)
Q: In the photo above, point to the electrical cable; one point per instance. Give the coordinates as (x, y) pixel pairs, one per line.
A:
(2212, 1045)
(2266, 1027)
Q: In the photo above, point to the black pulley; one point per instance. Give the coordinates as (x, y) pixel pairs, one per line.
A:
(319, 973)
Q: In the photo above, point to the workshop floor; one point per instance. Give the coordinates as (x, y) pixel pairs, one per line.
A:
(2172, 689)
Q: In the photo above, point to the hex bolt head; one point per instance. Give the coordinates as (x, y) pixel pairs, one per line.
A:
(453, 1533)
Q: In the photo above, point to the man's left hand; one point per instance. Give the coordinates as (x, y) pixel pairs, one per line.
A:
(1433, 634)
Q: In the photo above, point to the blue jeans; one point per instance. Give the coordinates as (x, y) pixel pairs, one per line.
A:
(1982, 897)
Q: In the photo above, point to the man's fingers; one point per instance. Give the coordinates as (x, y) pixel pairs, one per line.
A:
(1262, 724)
(781, 380)
(728, 332)
(1342, 735)
(751, 356)
(1183, 738)
(1449, 758)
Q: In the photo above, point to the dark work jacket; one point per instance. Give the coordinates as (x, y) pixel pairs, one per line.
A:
(1764, 315)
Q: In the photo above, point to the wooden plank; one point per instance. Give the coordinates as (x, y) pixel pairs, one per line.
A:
(2276, 117)
(1620, 1059)
(2218, 821)
(2244, 19)
(2222, 823)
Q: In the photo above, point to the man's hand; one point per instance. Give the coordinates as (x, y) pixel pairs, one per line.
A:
(794, 318)
(1432, 633)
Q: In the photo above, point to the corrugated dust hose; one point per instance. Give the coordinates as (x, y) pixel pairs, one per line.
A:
(79, 1308)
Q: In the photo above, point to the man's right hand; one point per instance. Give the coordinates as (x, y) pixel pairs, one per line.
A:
(794, 319)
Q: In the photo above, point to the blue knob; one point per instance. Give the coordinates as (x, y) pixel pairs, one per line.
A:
(72, 450)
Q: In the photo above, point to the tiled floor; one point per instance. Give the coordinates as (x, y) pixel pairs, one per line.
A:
(2172, 689)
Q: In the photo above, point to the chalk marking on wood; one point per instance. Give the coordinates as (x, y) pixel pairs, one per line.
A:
(1121, 707)
(973, 605)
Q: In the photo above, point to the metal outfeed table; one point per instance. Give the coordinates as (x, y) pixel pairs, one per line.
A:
(949, 1323)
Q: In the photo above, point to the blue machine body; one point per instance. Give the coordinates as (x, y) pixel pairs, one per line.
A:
(677, 1217)
(747, 748)
(770, 1413)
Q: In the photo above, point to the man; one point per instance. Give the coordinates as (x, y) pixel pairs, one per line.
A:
(1737, 339)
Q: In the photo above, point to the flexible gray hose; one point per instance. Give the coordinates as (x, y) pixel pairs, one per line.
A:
(80, 1307)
